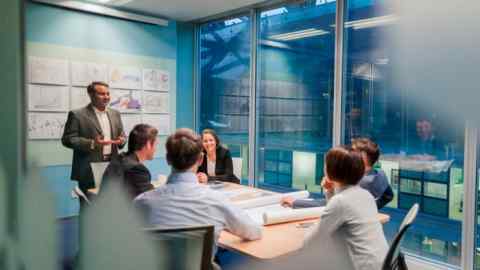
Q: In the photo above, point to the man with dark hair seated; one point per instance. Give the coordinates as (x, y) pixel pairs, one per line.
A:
(183, 201)
(128, 167)
(375, 181)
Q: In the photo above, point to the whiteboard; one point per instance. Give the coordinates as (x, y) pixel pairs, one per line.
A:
(78, 97)
(126, 100)
(159, 121)
(84, 73)
(48, 71)
(129, 121)
(125, 77)
(156, 79)
(155, 102)
(47, 98)
(46, 125)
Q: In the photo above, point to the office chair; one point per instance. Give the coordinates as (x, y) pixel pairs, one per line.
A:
(187, 247)
(395, 259)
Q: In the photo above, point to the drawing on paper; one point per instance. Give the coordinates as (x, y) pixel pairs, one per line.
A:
(129, 121)
(159, 121)
(46, 125)
(47, 98)
(156, 102)
(125, 100)
(78, 97)
(84, 73)
(48, 71)
(156, 79)
(125, 77)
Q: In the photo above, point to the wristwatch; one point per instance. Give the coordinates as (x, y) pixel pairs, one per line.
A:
(92, 145)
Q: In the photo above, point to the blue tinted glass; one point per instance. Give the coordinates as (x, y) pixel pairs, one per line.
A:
(295, 58)
(225, 83)
(421, 152)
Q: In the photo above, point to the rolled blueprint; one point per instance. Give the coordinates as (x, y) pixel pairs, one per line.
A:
(271, 199)
(289, 215)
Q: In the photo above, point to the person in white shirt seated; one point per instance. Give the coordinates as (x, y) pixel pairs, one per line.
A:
(349, 235)
(184, 202)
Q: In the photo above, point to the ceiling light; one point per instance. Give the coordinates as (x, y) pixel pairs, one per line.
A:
(370, 22)
(310, 32)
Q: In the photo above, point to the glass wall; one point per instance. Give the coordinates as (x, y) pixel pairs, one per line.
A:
(295, 60)
(224, 70)
(421, 152)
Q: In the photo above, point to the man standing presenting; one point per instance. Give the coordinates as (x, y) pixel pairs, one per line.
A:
(95, 133)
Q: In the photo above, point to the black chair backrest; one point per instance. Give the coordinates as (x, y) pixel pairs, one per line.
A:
(176, 241)
(394, 259)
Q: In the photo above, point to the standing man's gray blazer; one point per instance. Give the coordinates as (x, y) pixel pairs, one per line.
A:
(80, 131)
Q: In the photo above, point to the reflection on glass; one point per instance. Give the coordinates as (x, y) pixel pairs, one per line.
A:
(224, 83)
(422, 153)
(295, 52)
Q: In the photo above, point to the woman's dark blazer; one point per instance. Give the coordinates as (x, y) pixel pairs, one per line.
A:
(223, 166)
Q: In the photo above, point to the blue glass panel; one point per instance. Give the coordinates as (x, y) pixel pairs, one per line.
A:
(423, 150)
(224, 49)
(295, 99)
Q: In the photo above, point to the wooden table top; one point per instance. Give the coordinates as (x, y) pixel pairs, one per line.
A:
(277, 239)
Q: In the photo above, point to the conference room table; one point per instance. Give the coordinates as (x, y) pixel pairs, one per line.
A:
(277, 239)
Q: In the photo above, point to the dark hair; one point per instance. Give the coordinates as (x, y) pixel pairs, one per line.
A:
(184, 148)
(344, 165)
(140, 135)
(91, 87)
(211, 132)
(368, 147)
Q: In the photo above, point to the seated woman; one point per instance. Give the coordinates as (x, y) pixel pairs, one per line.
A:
(349, 233)
(217, 161)
(374, 180)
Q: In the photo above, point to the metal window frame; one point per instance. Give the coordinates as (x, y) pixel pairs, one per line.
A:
(469, 193)
(252, 114)
(337, 137)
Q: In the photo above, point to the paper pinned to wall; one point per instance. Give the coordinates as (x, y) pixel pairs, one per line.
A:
(46, 125)
(156, 79)
(160, 121)
(78, 97)
(84, 73)
(156, 102)
(129, 121)
(126, 100)
(48, 71)
(47, 98)
(125, 77)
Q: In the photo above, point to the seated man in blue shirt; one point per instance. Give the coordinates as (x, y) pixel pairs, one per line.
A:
(375, 181)
(184, 202)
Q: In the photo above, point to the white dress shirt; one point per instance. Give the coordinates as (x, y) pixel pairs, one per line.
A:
(349, 235)
(183, 202)
(210, 167)
(106, 129)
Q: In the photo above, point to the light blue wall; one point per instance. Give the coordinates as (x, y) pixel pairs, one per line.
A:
(185, 94)
(56, 26)
(82, 30)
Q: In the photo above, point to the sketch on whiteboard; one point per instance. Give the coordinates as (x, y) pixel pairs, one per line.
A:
(125, 77)
(84, 73)
(156, 79)
(46, 125)
(47, 98)
(48, 71)
(158, 121)
(126, 100)
(156, 102)
(129, 121)
(78, 97)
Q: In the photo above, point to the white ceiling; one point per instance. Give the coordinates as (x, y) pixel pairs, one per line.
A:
(186, 10)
